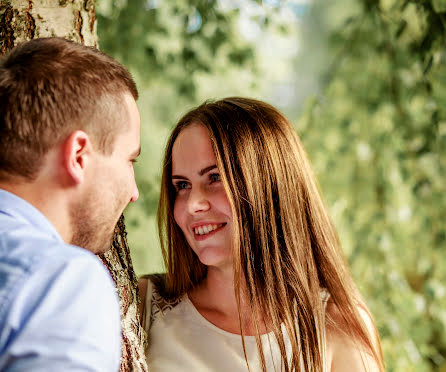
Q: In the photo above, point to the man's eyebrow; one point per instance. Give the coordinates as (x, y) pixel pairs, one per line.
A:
(136, 153)
(200, 173)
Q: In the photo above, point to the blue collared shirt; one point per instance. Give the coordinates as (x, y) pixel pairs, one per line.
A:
(58, 306)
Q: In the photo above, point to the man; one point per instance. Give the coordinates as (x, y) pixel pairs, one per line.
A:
(69, 134)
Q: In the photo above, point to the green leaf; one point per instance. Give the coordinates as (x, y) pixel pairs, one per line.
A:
(439, 5)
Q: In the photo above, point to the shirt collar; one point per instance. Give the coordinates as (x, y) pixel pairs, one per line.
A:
(14, 206)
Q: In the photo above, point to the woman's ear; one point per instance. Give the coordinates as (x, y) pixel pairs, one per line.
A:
(77, 150)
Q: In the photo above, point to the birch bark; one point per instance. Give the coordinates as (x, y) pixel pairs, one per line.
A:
(22, 20)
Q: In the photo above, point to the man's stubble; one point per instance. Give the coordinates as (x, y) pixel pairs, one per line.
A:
(93, 221)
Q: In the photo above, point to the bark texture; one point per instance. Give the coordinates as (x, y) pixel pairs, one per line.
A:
(119, 263)
(22, 20)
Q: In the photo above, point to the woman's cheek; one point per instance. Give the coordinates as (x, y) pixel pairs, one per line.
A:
(178, 211)
(224, 203)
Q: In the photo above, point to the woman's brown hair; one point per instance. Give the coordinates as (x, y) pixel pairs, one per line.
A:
(285, 248)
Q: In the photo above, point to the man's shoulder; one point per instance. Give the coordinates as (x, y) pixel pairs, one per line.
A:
(26, 252)
(25, 248)
(47, 286)
(34, 262)
(61, 304)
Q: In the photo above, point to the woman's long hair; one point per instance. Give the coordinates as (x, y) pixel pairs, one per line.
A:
(285, 248)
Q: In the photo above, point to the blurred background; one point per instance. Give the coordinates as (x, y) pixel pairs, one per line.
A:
(364, 83)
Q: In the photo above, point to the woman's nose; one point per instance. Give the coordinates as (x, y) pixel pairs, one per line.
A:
(198, 200)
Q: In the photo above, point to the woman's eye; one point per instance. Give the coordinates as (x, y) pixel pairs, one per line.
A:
(181, 185)
(215, 177)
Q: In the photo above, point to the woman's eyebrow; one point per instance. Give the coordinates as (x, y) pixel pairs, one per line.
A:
(200, 173)
(178, 177)
(207, 169)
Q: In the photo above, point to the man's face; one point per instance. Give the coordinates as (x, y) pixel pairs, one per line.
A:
(110, 186)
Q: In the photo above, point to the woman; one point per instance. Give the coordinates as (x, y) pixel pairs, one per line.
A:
(255, 276)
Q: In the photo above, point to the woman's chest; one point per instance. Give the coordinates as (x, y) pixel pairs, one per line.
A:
(181, 343)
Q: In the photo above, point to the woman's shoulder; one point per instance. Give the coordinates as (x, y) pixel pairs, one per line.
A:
(154, 297)
(150, 286)
(157, 280)
(344, 352)
(143, 284)
(152, 282)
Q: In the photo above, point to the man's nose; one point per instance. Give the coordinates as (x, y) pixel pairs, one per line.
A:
(135, 193)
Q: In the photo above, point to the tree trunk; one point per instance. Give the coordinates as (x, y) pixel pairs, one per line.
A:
(134, 338)
(22, 20)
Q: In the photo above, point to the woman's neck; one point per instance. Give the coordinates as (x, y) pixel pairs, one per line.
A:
(215, 300)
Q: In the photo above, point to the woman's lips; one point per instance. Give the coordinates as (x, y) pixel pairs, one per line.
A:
(205, 231)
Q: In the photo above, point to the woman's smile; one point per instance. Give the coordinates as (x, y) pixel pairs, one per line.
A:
(205, 231)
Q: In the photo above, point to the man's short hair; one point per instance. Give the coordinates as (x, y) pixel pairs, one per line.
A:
(51, 87)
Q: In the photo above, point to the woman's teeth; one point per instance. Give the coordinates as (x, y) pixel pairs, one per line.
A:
(203, 230)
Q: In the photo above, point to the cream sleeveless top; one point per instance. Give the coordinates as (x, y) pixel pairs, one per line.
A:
(181, 339)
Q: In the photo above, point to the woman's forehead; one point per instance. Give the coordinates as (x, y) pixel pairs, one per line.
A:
(192, 148)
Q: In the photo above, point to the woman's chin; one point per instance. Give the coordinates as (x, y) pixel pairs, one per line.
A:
(208, 257)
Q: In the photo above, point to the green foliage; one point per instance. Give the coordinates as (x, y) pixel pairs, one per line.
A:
(176, 39)
(377, 139)
(375, 132)
(189, 62)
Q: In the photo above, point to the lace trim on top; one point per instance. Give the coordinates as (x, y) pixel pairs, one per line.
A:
(159, 304)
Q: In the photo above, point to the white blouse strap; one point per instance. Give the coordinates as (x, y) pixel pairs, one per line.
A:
(147, 314)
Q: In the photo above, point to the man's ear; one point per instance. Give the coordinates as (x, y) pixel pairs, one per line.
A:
(77, 150)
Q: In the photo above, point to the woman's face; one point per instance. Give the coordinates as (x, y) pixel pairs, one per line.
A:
(201, 210)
